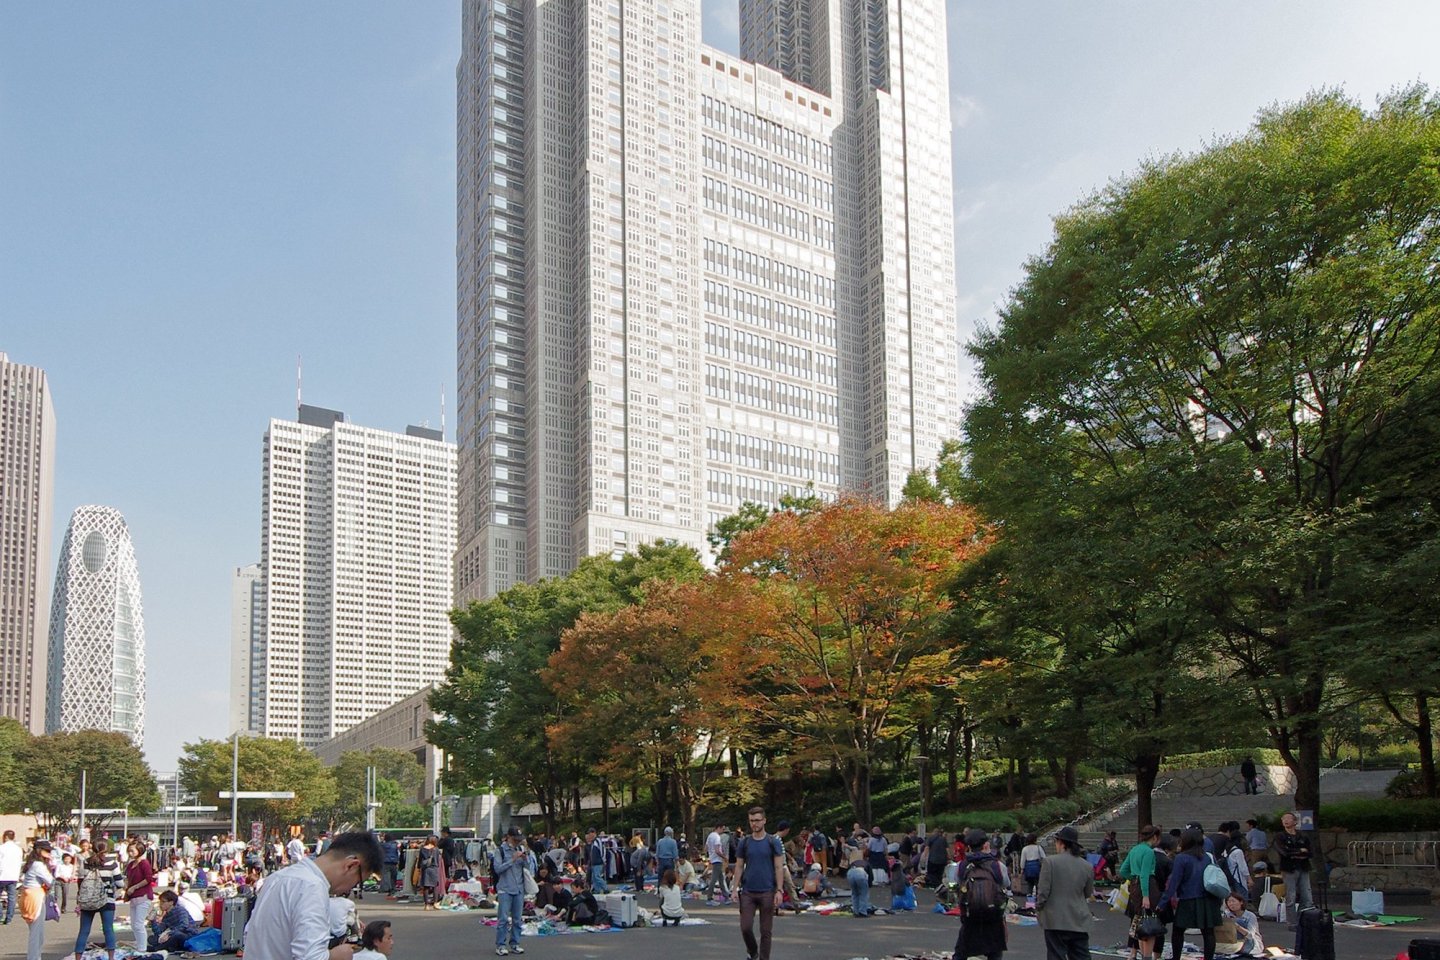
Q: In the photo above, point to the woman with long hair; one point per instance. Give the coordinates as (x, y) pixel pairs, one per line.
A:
(1195, 909)
(140, 892)
(99, 876)
(429, 865)
(36, 879)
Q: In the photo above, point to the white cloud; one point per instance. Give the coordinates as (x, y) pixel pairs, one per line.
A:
(963, 110)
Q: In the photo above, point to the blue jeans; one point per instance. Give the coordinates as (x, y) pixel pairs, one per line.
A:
(107, 921)
(10, 890)
(859, 892)
(597, 880)
(511, 908)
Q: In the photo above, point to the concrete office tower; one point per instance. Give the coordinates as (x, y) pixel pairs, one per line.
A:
(356, 572)
(244, 628)
(724, 291)
(27, 482)
(97, 630)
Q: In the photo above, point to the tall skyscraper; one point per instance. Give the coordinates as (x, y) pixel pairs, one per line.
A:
(244, 630)
(687, 279)
(97, 630)
(27, 503)
(356, 570)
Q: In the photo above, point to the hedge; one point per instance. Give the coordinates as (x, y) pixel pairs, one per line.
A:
(1222, 758)
(1381, 816)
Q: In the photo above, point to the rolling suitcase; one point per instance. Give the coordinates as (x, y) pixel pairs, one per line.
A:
(232, 924)
(622, 909)
(1315, 930)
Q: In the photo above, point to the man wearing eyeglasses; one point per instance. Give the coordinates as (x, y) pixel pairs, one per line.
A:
(292, 913)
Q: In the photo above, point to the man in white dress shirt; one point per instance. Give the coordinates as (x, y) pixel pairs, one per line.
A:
(292, 913)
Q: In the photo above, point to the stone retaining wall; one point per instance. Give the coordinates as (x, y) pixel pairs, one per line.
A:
(1226, 781)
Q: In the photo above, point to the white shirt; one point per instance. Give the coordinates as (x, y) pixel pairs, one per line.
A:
(295, 850)
(11, 857)
(670, 904)
(292, 916)
(715, 847)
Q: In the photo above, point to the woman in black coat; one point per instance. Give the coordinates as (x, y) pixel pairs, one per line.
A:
(981, 937)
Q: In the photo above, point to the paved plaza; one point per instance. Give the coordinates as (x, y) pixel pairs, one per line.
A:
(430, 936)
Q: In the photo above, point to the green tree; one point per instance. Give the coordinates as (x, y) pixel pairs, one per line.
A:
(1256, 319)
(398, 807)
(116, 775)
(398, 767)
(495, 708)
(265, 764)
(13, 738)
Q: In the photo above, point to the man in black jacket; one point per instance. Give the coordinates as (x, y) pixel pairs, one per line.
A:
(1294, 849)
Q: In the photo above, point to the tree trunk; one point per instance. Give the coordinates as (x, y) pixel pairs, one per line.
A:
(605, 803)
(1425, 738)
(1147, 770)
(734, 763)
(1307, 767)
(1057, 774)
(1027, 786)
(1072, 773)
(952, 779)
(659, 799)
(857, 784)
(1010, 782)
(968, 738)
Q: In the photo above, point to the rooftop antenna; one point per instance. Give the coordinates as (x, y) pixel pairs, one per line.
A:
(299, 379)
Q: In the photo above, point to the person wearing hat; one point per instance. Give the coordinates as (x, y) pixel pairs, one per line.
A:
(982, 932)
(510, 862)
(1062, 899)
(878, 851)
(35, 881)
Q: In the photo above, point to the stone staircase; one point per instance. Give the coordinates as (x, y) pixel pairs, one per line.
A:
(1215, 795)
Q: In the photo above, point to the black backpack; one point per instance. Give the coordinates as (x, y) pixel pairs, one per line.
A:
(980, 892)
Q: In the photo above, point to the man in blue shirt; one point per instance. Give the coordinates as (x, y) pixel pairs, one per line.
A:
(667, 851)
(595, 857)
(759, 860)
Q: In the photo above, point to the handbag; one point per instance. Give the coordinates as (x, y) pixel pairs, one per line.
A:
(531, 887)
(52, 910)
(1149, 927)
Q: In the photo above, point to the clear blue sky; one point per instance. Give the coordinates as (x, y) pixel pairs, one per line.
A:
(193, 194)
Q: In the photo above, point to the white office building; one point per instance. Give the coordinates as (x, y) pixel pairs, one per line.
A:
(244, 629)
(688, 279)
(357, 544)
(97, 630)
(27, 503)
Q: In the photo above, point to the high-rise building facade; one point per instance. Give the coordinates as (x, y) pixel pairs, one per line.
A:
(687, 279)
(244, 630)
(27, 503)
(356, 572)
(97, 630)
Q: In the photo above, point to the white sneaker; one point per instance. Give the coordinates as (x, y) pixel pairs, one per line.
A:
(502, 952)
(517, 949)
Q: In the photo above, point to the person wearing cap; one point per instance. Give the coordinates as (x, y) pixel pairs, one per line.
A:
(1062, 899)
(982, 936)
(510, 861)
(878, 854)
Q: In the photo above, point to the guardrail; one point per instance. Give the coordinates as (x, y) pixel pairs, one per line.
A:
(1393, 854)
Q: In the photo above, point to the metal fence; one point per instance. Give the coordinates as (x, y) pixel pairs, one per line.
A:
(1393, 854)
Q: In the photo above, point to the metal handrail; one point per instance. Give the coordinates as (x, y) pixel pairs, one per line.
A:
(1393, 854)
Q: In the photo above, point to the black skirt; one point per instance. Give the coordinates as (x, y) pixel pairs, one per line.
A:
(1202, 913)
(980, 938)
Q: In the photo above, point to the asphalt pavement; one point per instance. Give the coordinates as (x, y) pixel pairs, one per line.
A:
(440, 934)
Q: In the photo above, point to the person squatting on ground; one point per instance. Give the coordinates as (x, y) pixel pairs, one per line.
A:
(759, 861)
(174, 926)
(510, 862)
(100, 877)
(672, 911)
(292, 913)
(1062, 899)
(984, 886)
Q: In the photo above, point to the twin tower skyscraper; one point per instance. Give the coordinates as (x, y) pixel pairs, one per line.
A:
(687, 279)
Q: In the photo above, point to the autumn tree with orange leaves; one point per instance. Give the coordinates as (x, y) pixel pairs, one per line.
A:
(835, 621)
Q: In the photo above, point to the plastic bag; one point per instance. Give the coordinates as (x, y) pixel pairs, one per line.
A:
(1120, 898)
(1367, 901)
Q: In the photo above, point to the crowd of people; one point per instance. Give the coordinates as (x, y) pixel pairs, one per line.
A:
(1167, 875)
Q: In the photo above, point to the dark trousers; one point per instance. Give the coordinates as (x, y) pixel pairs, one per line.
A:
(1207, 942)
(749, 903)
(8, 890)
(1067, 945)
